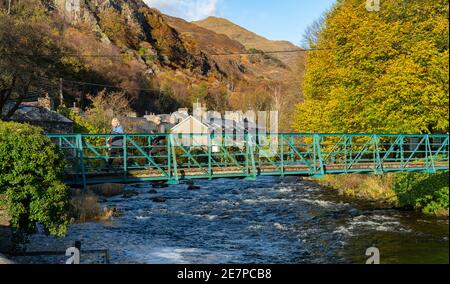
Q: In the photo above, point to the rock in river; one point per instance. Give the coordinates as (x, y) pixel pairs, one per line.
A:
(159, 199)
(192, 186)
(130, 193)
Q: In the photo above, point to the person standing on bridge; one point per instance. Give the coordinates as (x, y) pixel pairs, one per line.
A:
(115, 144)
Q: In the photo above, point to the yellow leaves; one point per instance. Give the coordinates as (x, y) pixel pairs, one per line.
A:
(386, 72)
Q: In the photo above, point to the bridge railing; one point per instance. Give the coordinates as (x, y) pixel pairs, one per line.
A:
(172, 157)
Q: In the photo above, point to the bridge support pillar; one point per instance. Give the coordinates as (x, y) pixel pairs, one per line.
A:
(173, 182)
(250, 178)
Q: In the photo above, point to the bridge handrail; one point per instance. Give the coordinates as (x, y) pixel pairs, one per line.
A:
(293, 154)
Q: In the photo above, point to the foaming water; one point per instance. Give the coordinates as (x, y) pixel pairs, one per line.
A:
(264, 221)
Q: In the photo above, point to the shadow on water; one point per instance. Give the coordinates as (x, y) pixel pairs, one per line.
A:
(265, 221)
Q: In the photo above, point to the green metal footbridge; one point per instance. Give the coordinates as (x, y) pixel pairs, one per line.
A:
(173, 157)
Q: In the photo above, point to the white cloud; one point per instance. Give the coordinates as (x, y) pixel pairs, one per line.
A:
(190, 10)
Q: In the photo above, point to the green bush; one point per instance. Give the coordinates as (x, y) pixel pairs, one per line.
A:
(426, 192)
(30, 167)
(81, 124)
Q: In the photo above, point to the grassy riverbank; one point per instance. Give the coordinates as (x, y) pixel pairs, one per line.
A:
(427, 193)
(84, 206)
(5, 229)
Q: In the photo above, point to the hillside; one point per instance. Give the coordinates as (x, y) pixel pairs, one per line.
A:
(249, 39)
(159, 62)
(133, 26)
(174, 54)
(219, 45)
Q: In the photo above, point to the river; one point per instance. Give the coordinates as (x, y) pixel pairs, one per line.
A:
(270, 220)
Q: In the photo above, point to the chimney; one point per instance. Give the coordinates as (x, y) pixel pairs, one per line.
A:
(199, 111)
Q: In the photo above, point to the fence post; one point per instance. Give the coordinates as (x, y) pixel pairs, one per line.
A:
(345, 153)
(318, 159)
(247, 153)
(107, 148)
(81, 159)
(210, 173)
(251, 159)
(429, 156)
(125, 156)
(77, 245)
(402, 151)
(175, 178)
(376, 156)
(282, 153)
(169, 155)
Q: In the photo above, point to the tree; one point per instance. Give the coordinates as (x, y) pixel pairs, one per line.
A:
(106, 106)
(198, 93)
(30, 169)
(217, 99)
(28, 52)
(276, 89)
(312, 33)
(383, 71)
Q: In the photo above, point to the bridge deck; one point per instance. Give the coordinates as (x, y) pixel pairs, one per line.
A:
(246, 156)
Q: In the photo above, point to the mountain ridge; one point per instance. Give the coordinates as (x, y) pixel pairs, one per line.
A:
(249, 39)
(176, 57)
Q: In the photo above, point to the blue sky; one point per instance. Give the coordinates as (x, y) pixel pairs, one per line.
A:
(274, 19)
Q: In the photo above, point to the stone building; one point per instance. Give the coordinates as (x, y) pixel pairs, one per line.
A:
(40, 113)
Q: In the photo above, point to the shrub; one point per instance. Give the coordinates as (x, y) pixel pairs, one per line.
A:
(81, 124)
(30, 167)
(85, 207)
(425, 192)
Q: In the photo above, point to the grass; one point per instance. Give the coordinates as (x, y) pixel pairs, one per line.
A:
(421, 192)
(364, 187)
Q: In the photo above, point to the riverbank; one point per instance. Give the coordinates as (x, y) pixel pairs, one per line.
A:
(376, 190)
(5, 229)
(4, 260)
(427, 193)
(85, 206)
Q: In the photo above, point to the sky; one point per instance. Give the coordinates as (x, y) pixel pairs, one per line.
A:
(273, 19)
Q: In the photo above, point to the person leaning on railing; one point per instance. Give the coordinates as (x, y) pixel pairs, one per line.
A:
(115, 144)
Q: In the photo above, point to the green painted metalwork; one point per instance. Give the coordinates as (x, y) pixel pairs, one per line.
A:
(247, 156)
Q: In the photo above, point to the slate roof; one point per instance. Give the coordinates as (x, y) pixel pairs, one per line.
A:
(30, 112)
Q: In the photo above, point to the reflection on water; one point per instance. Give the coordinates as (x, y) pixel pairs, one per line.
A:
(266, 221)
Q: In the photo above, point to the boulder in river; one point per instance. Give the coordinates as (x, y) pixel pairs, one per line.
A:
(159, 199)
(108, 213)
(130, 193)
(291, 179)
(152, 191)
(107, 189)
(354, 212)
(159, 185)
(192, 186)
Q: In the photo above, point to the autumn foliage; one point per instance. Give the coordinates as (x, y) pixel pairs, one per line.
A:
(383, 71)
